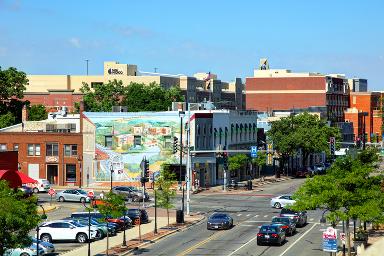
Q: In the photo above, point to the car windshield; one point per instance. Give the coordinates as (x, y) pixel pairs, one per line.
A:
(133, 211)
(287, 211)
(218, 216)
(77, 224)
(285, 220)
(82, 192)
(267, 229)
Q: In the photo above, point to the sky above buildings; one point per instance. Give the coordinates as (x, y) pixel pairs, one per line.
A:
(184, 37)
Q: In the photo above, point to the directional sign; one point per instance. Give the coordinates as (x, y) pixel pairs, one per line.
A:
(91, 194)
(254, 151)
(51, 192)
(330, 240)
(342, 237)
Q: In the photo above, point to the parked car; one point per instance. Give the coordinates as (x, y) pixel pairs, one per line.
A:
(42, 185)
(26, 190)
(137, 215)
(47, 247)
(282, 201)
(75, 195)
(287, 224)
(131, 193)
(303, 172)
(27, 251)
(97, 215)
(66, 230)
(300, 217)
(219, 221)
(102, 228)
(271, 234)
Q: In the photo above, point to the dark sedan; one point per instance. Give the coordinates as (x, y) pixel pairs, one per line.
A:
(299, 217)
(219, 221)
(287, 224)
(271, 234)
(138, 216)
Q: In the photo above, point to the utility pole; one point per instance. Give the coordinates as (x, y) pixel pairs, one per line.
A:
(87, 66)
(188, 158)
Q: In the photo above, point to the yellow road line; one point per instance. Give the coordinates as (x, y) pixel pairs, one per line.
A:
(190, 249)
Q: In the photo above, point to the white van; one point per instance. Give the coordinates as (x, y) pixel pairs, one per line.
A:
(42, 185)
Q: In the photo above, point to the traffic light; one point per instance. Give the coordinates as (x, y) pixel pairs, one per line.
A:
(358, 142)
(146, 168)
(175, 144)
(332, 145)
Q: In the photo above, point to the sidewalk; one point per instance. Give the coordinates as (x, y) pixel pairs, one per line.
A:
(132, 236)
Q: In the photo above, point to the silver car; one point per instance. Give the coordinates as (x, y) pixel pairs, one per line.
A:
(75, 195)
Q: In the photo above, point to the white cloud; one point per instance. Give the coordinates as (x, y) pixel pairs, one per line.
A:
(75, 42)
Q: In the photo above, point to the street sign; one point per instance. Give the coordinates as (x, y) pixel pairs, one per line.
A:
(254, 151)
(51, 192)
(91, 194)
(342, 237)
(330, 240)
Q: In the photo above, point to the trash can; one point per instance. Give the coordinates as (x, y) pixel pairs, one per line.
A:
(249, 185)
(179, 216)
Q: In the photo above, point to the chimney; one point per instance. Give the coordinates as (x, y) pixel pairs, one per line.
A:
(24, 114)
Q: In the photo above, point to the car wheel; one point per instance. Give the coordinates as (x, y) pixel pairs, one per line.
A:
(35, 190)
(46, 238)
(135, 199)
(81, 238)
(24, 254)
(61, 199)
(82, 200)
(277, 205)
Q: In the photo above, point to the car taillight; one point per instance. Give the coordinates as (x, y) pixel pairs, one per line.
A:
(259, 235)
(295, 217)
(275, 235)
(284, 226)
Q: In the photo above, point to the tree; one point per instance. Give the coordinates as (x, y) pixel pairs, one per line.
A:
(306, 132)
(165, 192)
(260, 160)
(237, 162)
(12, 83)
(37, 113)
(349, 190)
(7, 119)
(18, 216)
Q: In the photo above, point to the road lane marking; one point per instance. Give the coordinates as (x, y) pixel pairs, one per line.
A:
(265, 216)
(306, 232)
(239, 214)
(311, 219)
(200, 244)
(256, 216)
(242, 246)
(245, 225)
(248, 215)
(255, 221)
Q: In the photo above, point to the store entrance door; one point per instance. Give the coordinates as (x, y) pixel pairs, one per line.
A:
(52, 174)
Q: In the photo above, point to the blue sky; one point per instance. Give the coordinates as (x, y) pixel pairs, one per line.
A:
(224, 37)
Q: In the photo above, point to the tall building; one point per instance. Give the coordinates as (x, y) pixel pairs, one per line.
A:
(55, 91)
(281, 89)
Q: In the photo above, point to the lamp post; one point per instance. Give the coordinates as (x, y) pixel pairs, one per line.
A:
(38, 229)
(155, 231)
(89, 228)
(181, 114)
(111, 169)
(125, 225)
(364, 140)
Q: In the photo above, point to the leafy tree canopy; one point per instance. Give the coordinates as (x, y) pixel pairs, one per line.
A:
(12, 83)
(113, 205)
(37, 113)
(260, 160)
(7, 119)
(17, 217)
(237, 162)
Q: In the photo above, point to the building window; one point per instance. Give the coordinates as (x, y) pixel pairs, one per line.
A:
(3, 147)
(70, 173)
(70, 150)
(33, 149)
(15, 147)
(137, 140)
(52, 149)
(108, 141)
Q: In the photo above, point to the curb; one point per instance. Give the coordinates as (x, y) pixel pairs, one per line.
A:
(162, 236)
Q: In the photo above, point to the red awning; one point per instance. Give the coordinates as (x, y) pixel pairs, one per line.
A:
(15, 178)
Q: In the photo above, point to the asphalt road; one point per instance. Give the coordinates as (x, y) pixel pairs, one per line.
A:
(249, 210)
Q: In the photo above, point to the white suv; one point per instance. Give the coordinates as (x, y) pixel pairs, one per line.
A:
(282, 201)
(42, 185)
(66, 230)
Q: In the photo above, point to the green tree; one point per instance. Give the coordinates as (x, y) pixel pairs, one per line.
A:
(17, 217)
(347, 191)
(305, 131)
(236, 163)
(260, 160)
(37, 113)
(12, 83)
(165, 191)
(7, 119)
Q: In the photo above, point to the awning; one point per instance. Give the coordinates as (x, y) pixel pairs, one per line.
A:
(15, 178)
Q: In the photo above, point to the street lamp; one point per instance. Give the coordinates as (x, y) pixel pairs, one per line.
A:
(155, 231)
(181, 114)
(43, 217)
(89, 228)
(364, 115)
(125, 225)
(111, 169)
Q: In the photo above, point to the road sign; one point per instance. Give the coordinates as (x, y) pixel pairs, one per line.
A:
(342, 237)
(330, 233)
(330, 240)
(51, 192)
(91, 194)
(254, 151)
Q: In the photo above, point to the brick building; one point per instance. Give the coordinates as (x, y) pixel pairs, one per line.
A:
(280, 89)
(50, 149)
(369, 103)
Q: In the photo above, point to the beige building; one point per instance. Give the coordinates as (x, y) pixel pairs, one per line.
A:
(53, 90)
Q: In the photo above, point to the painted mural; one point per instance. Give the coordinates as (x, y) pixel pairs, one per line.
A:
(122, 143)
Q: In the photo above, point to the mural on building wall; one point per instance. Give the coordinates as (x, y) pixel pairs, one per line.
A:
(122, 143)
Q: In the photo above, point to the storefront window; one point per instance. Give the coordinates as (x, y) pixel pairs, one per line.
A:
(70, 173)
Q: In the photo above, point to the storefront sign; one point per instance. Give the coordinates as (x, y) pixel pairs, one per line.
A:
(114, 71)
